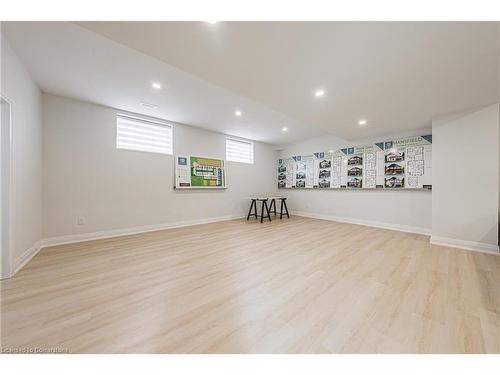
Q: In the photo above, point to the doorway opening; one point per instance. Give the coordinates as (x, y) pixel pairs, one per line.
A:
(5, 187)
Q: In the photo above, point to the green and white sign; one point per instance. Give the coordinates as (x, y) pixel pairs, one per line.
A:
(199, 172)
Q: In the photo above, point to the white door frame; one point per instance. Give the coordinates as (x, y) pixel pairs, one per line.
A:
(6, 201)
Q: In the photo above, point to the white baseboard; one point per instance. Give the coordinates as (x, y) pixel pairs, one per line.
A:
(24, 258)
(74, 238)
(434, 240)
(369, 223)
(466, 245)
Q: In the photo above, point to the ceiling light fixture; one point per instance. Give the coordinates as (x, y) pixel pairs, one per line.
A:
(237, 113)
(362, 122)
(285, 129)
(319, 93)
(212, 22)
(156, 85)
(149, 105)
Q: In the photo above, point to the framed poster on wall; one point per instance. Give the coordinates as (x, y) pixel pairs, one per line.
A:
(192, 172)
(408, 163)
(304, 171)
(322, 170)
(286, 173)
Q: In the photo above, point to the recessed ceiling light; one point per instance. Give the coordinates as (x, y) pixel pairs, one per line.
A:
(212, 22)
(319, 93)
(237, 113)
(156, 85)
(362, 122)
(285, 129)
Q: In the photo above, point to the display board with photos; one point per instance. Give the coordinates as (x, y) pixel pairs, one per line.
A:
(400, 163)
(199, 172)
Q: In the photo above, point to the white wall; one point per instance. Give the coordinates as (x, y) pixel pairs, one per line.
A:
(466, 148)
(84, 174)
(19, 88)
(397, 209)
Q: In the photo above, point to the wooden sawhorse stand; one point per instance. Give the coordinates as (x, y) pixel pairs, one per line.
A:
(253, 206)
(272, 207)
(268, 209)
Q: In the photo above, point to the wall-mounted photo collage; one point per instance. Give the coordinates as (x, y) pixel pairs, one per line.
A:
(322, 170)
(394, 167)
(402, 163)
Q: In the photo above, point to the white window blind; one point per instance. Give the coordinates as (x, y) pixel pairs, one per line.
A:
(143, 135)
(239, 151)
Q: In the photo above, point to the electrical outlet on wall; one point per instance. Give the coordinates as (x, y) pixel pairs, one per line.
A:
(80, 220)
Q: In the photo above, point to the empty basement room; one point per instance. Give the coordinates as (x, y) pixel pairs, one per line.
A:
(250, 187)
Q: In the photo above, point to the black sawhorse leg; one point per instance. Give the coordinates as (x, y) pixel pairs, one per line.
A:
(272, 207)
(252, 205)
(283, 205)
(264, 205)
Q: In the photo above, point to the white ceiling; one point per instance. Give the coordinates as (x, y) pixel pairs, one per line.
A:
(71, 61)
(397, 75)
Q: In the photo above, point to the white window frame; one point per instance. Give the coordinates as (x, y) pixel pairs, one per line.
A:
(240, 141)
(146, 120)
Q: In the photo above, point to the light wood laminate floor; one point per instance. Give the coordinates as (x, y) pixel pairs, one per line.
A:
(293, 286)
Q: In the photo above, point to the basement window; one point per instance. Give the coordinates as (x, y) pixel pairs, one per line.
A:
(239, 151)
(139, 134)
